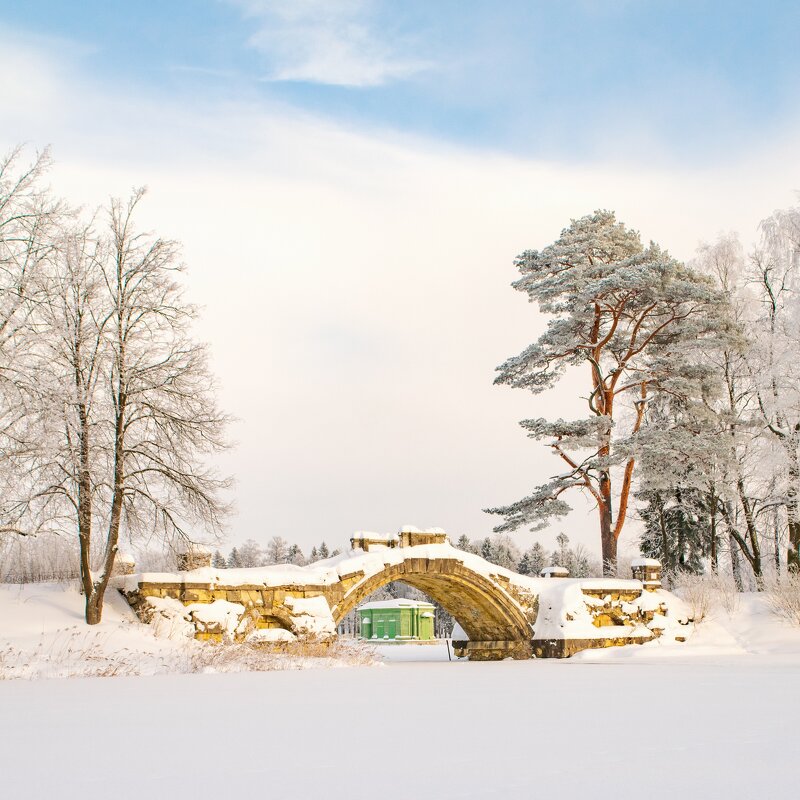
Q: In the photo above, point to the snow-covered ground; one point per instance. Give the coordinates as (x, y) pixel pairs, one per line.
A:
(712, 718)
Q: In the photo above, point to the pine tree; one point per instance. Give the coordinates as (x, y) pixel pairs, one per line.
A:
(533, 561)
(633, 317)
(323, 551)
(487, 549)
(464, 544)
(676, 528)
(562, 556)
(218, 560)
(234, 559)
(295, 556)
(313, 555)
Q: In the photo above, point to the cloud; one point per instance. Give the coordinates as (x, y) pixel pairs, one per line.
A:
(356, 287)
(337, 44)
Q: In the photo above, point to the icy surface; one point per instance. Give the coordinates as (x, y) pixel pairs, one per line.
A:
(712, 718)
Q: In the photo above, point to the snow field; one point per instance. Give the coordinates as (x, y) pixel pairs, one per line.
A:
(710, 718)
(716, 728)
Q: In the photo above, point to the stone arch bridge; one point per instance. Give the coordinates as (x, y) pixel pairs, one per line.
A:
(496, 608)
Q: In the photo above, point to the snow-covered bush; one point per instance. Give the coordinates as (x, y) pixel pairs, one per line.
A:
(783, 597)
(705, 593)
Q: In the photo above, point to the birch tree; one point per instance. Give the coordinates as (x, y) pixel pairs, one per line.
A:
(630, 316)
(776, 279)
(744, 466)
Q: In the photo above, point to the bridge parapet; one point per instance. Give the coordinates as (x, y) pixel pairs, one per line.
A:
(502, 614)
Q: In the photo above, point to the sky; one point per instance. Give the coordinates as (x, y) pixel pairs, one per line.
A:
(351, 181)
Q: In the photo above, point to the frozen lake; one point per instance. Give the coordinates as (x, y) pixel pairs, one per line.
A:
(721, 727)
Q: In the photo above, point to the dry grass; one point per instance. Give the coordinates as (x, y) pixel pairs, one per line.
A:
(783, 597)
(87, 655)
(265, 657)
(706, 594)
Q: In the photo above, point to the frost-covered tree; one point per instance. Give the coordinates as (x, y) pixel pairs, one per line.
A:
(125, 413)
(775, 277)
(234, 559)
(322, 552)
(295, 556)
(631, 316)
(218, 560)
(533, 561)
(251, 554)
(681, 460)
(464, 544)
(487, 549)
(31, 230)
(277, 550)
(743, 473)
(504, 552)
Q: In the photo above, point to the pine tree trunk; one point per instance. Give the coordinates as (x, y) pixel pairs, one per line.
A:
(608, 541)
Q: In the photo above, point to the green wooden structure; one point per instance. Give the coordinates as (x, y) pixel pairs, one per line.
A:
(398, 620)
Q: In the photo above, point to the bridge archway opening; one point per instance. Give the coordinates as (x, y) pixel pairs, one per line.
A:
(483, 610)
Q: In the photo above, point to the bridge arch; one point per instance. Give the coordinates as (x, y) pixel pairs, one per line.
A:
(487, 612)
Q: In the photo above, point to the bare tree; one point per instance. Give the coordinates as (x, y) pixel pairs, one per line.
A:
(30, 219)
(776, 278)
(127, 412)
(277, 550)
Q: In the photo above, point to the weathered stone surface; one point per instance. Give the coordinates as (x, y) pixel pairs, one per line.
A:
(497, 614)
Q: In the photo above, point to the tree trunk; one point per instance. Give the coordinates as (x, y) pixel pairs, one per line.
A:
(713, 517)
(793, 510)
(736, 564)
(94, 606)
(754, 556)
(665, 556)
(608, 540)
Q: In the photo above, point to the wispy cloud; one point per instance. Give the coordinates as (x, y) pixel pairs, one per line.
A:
(338, 44)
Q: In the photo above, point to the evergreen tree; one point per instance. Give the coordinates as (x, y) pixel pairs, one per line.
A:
(533, 561)
(464, 544)
(562, 556)
(218, 560)
(634, 318)
(295, 556)
(504, 552)
(677, 526)
(313, 555)
(234, 559)
(323, 551)
(487, 549)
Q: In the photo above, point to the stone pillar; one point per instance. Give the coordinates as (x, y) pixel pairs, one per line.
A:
(554, 572)
(194, 556)
(124, 564)
(648, 571)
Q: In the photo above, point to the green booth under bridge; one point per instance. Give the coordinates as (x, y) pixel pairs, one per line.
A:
(399, 620)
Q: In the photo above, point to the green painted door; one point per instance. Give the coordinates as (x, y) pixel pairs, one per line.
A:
(392, 627)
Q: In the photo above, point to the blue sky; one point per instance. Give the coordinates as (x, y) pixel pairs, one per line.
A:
(351, 181)
(690, 81)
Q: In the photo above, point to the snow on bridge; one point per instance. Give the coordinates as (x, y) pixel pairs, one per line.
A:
(501, 613)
